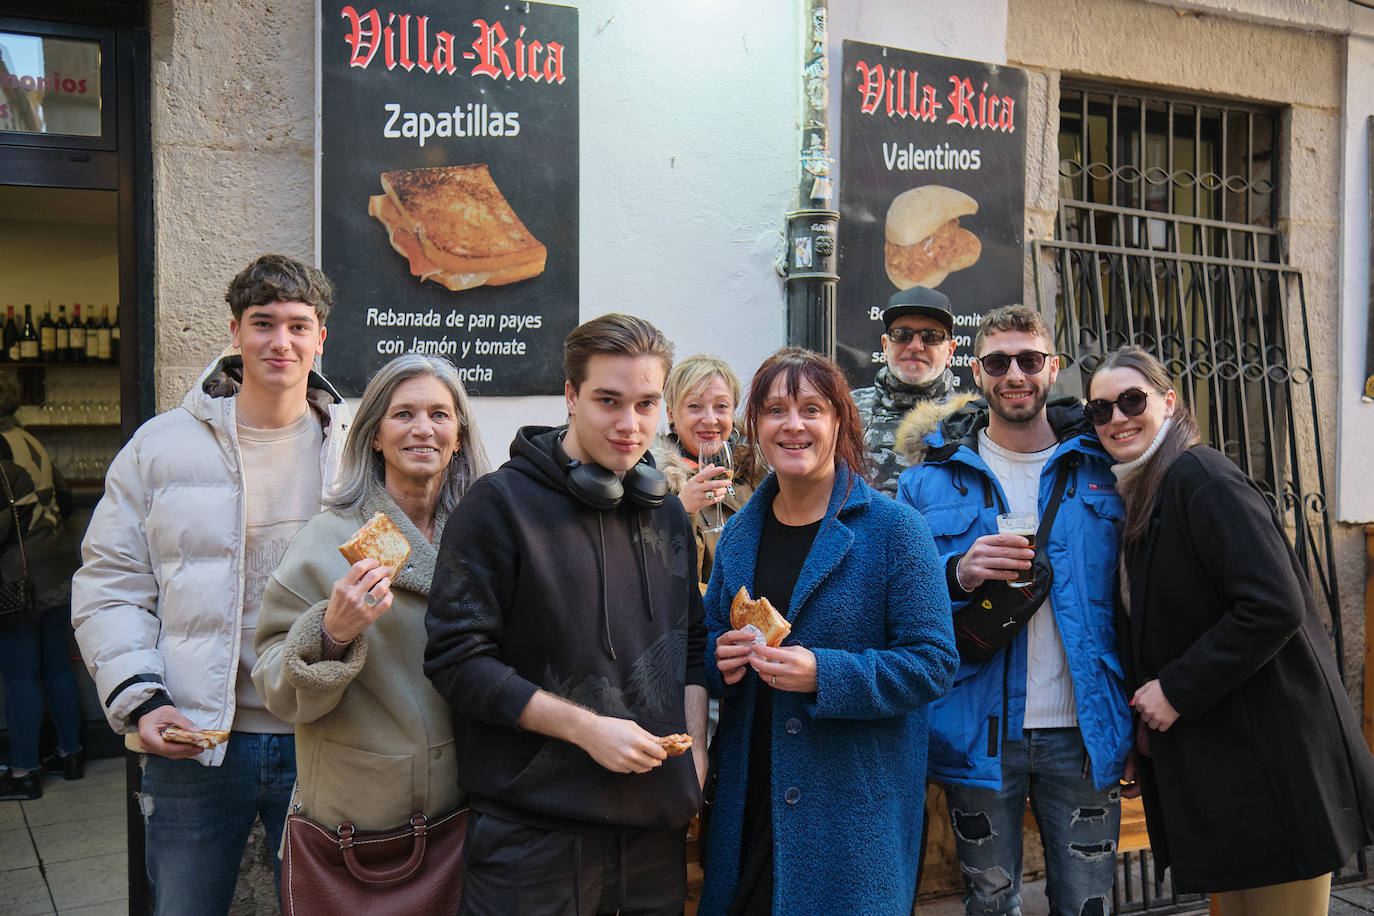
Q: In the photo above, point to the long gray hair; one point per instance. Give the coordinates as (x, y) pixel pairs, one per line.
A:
(363, 471)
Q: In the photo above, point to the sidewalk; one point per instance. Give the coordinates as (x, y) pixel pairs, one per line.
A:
(65, 854)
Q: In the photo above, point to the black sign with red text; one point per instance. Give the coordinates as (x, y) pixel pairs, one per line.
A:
(932, 193)
(448, 189)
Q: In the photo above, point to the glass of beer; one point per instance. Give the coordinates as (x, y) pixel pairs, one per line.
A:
(1022, 523)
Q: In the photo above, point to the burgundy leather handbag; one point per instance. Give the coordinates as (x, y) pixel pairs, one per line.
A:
(416, 869)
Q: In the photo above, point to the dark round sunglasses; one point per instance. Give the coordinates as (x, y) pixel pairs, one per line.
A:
(1131, 401)
(998, 364)
(931, 337)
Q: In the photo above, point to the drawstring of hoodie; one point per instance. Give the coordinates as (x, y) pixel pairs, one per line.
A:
(644, 567)
(605, 598)
(605, 589)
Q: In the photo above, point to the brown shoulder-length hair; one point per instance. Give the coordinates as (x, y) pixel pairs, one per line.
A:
(796, 365)
(1139, 490)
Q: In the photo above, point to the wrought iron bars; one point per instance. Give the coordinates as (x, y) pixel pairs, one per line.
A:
(1230, 323)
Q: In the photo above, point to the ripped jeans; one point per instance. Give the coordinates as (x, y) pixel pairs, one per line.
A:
(1079, 828)
(198, 819)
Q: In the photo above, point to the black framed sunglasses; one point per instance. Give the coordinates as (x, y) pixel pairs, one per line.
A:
(931, 337)
(998, 364)
(1131, 401)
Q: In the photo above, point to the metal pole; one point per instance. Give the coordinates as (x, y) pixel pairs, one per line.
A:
(811, 228)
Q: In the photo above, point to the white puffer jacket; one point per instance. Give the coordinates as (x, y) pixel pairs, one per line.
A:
(157, 602)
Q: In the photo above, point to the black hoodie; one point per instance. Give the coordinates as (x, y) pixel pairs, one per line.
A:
(519, 603)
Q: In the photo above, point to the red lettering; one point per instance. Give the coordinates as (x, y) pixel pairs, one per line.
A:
(872, 86)
(553, 63)
(961, 100)
(405, 60)
(930, 103)
(424, 63)
(444, 54)
(1006, 122)
(520, 54)
(363, 41)
(389, 39)
(490, 50)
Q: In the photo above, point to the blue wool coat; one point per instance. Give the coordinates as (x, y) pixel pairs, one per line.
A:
(849, 761)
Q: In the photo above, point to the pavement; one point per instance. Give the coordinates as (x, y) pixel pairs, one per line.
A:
(65, 854)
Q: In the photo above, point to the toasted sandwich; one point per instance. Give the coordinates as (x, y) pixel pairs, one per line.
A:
(455, 227)
(379, 539)
(745, 611)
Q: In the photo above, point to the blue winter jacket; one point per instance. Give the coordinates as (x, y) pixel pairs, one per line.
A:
(959, 497)
(849, 761)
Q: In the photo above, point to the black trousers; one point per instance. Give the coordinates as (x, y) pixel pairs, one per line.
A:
(512, 868)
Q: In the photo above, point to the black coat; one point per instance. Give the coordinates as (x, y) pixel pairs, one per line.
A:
(1264, 778)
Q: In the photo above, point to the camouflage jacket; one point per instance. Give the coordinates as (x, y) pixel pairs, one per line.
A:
(881, 407)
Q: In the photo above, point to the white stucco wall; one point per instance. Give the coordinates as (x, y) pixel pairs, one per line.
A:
(1355, 419)
(689, 149)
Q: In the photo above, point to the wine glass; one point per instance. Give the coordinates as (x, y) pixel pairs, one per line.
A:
(713, 514)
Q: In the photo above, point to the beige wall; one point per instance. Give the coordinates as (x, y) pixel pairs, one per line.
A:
(1129, 42)
(233, 143)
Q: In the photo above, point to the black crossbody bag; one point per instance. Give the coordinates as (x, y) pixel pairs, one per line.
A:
(996, 612)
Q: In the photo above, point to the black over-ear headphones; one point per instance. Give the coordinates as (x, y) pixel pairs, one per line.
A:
(595, 486)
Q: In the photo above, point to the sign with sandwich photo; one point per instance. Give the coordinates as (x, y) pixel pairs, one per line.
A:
(932, 193)
(447, 190)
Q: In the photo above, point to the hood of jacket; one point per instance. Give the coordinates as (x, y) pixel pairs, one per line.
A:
(960, 428)
(923, 420)
(224, 377)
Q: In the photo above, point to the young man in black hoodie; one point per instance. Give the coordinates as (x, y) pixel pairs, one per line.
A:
(566, 631)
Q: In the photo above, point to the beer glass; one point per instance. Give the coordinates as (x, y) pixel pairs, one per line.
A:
(1022, 523)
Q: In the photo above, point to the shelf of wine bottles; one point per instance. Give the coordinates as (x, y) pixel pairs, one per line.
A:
(57, 336)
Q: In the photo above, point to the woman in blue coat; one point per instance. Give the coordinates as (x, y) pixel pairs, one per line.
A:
(822, 741)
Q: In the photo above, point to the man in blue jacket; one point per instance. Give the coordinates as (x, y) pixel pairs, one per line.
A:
(1045, 717)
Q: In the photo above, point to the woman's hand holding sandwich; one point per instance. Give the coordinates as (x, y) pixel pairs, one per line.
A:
(357, 599)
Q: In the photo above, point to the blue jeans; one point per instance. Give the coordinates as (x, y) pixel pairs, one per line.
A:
(34, 658)
(198, 819)
(1079, 828)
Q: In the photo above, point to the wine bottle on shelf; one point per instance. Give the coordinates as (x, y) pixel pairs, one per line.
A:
(78, 347)
(114, 337)
(92, 337)
(64, 337)
(29, 341)
(11, 338)
(47, 337)
(104, 337)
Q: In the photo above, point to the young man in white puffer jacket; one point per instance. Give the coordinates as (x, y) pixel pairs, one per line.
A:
(198, 508)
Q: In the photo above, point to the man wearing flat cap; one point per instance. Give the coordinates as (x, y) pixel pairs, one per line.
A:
(918, 341)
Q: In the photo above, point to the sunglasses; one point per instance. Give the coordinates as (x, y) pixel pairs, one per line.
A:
(998, 364)
(1131, 401)
(931, 337)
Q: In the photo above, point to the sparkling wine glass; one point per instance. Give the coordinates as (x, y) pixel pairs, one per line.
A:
(713, 514)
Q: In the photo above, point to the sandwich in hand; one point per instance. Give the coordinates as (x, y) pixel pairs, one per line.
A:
(745, 611)
(379, 539)
(455, 227)
(675, 744)
(202, 738)
(924, 241)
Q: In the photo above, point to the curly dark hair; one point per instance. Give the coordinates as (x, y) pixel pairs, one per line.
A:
(277, 278)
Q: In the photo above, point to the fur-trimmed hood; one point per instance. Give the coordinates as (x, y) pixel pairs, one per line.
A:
(926, 418)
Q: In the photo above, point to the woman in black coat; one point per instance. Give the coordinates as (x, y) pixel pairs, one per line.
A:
(1257, 783)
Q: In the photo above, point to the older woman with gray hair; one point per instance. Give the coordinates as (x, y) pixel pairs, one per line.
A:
(339, 644)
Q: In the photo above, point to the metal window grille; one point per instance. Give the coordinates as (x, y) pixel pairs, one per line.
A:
(1166, 238)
